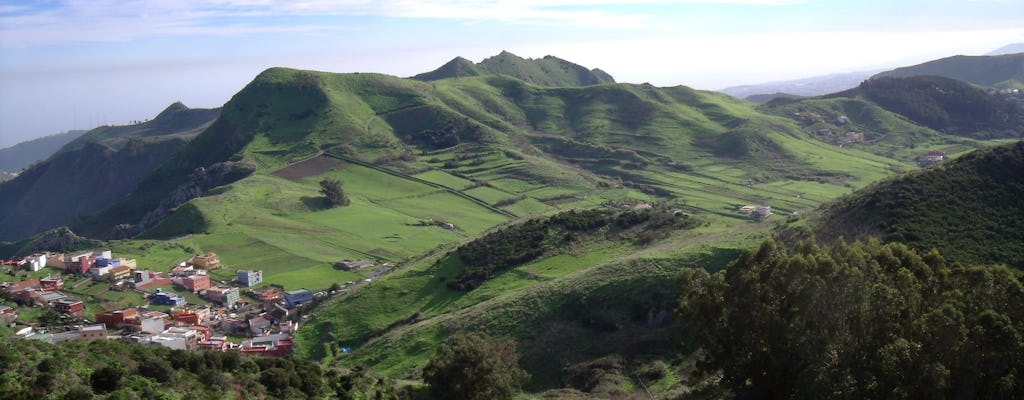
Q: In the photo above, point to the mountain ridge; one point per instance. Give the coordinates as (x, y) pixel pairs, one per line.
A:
(89, 172)
(19, 156)
(1001, 71)
(546, 71)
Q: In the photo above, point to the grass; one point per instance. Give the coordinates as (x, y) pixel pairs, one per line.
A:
(560, 148)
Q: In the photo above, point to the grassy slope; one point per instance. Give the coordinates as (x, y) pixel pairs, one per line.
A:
(968, 208)
(93, 170)
(549, 149)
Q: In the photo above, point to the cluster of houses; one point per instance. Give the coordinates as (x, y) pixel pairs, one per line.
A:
(179, 328)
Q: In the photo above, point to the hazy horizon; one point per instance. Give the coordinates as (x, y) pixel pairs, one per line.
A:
(76, 65)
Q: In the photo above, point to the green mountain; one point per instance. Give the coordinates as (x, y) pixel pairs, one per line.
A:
(1002, 71)
(493, 139)
(969, 209)
(548, 71)
(21, 155)
(905, 118)
(551, 214)
(92, 171)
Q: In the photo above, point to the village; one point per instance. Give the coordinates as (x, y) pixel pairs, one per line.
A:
(183, 309)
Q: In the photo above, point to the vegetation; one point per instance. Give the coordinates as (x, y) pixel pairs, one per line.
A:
(857, 321)
(119, 369)
(474, 367)
(547, 71)
(947, 105)
(335, 196)
(966, 208)
(994, 71)
(498, 251)
(94, 170)
(20, 156)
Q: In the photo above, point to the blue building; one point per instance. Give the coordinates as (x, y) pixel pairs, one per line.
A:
(166, 298)
(298, 297)
(250, 277)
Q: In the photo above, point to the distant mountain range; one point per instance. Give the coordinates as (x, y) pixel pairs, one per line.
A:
(13, 159)
(1002, 68)
(1002, 71)
(813, 86)
(1008, 49)
(548, 71)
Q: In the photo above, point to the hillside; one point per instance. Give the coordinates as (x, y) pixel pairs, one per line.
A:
(905, 118)
(547, 71)
(13, 159)
(945, 105)
(1001, 71)
(509, 147)
(93, 170)
(542, 283)
(553, 216)
(969, 209)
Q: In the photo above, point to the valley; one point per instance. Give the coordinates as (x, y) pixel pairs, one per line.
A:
(551, 210)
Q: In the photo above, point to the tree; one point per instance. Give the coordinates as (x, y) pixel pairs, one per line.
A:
(474, 367)
(857, 321)
(331, 189)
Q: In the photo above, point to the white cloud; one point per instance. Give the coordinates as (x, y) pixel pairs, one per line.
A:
(77, 21)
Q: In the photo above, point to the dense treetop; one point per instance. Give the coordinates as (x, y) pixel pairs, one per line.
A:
(857, 321)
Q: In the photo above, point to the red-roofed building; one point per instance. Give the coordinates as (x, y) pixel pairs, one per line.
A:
(51, 283)
(193, 283)
(69, 306)
(119, 318)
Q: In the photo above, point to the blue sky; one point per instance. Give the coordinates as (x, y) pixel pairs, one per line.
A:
(78, 64)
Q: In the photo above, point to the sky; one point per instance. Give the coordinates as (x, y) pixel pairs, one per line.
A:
(79, 64)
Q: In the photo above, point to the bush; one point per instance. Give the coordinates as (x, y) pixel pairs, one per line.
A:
(474, 367)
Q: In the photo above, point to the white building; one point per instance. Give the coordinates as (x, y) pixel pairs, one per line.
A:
(35, 262)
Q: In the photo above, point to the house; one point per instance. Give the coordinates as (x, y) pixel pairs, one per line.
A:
(223, 296)
(119, 273)
(166, 298)
(234, 325)
(83, 262)
(278, 345)
(192, 283)
(97, 271)
(178, 338)
(216, 343)
(92, 332)
(49, 298)
(191, 316)
(51, 283)
(118, 318)
(69, 306)
(258, 324)
(35, 262)
(143, 279)
(56, 261)
(349, 265)
(80, 264)
(761, 212)
(183, 270)
(205, 261)
(151, 324)
(297, 297)
(249, 277)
